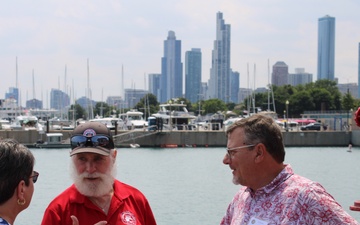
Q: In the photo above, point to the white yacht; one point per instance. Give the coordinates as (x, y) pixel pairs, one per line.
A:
(175, 116)
(133, 120)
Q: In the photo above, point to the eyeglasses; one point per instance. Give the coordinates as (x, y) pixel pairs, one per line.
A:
(229, 150)
(35, 177)
(94, 141)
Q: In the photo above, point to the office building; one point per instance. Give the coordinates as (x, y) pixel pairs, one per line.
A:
(133, 96)
(300, 77)
(193, 75)
(171, 80)
(280, 74)
(219, 82)
(359, 71)
(234, 86)
(12, 94)
(58, 99)
(154, 84)
(326, 48)
(34, 104)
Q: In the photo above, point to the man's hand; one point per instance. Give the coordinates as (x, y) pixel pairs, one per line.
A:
(76, 221)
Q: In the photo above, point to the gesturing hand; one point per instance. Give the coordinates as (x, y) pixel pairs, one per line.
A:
(76, 221)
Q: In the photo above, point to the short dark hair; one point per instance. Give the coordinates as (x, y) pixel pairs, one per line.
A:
(16, 164)
(260, 128)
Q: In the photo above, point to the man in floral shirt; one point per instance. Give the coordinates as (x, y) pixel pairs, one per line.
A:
(272, 193)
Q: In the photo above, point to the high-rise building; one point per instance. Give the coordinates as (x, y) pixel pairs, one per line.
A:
(193, 75)
(234, 86)
(154, 84)
(300, 77)
(115, 101)
(34, 104)
(13, 94)
(280, 74)
(133, 97)
(326, 48)
(171, 80)
(58, 99)
(219, 83)
(359, 71)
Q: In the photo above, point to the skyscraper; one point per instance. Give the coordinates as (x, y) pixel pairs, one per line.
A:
(193, 75)
(219, 83)
(171, 80)
(234, 86)
(359, 70)
(154, 84)
(58, 99)
(280, 74)
(326, 48)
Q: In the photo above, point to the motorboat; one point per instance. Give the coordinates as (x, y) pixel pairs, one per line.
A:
(110, 122)
(174, 116)
(53, 140)
(26, 122)
(4, 124)
(133, 120)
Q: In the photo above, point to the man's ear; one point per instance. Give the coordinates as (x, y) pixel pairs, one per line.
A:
(260, 151)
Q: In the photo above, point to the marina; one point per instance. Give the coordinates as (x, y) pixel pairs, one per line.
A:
(212, 138)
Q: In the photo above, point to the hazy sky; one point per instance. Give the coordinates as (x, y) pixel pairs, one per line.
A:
(47, 36)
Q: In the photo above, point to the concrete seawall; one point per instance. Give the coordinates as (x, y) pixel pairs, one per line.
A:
(202, 138)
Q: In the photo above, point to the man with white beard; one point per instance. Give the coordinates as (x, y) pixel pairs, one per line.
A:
(96, 197)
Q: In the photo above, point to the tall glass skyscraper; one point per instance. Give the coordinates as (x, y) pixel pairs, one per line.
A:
(359, 70)
(193, 75)
(326, 48)
(219, 83)
(171, 80)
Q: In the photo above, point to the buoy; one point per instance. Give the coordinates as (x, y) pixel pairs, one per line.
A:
(169, 146)
(356, 206)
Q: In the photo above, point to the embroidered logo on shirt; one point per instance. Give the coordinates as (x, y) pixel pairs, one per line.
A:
(128, 218)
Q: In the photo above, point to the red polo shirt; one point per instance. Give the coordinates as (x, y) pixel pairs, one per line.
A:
(128, 206)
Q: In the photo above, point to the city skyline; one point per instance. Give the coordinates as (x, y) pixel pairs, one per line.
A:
(63, 34)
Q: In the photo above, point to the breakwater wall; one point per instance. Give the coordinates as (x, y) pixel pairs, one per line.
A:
(201, 138)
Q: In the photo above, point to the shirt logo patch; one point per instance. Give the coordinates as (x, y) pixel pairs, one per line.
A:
(128, 218)
(89, 133)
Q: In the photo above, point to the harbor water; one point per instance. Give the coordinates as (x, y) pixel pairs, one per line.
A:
(191, 185)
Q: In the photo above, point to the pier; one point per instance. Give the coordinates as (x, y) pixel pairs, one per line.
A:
(190, 138)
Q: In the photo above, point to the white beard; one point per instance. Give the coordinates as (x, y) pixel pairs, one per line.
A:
(102, 186)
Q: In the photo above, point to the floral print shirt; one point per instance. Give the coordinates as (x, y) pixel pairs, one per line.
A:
(289, 199)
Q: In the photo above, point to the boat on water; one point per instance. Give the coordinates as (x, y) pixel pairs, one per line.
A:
(26, 122)
(133, 120)
(110, 122)
(53, 140)
(175, 116)
(60, 124)
(4, 124)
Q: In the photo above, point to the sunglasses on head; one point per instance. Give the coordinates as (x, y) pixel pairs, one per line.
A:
(34, 176)
(94, 141)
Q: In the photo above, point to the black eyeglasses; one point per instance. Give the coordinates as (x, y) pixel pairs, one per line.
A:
(94, 141)
(35, 176)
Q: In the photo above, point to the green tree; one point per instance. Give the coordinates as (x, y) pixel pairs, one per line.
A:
(299, 101)
(348, 102)
(77, 111)
(150, 101)
(214, 106)
(102, 109)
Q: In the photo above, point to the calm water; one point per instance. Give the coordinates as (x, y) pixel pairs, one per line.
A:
(191, 185)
